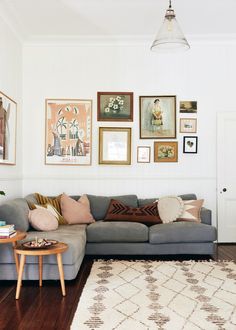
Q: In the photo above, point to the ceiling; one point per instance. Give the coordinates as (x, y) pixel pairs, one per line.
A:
(82, 18)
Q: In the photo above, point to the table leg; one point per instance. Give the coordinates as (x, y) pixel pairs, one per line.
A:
(40, 270)
(20, 274)
(16, 257)
(61, 272)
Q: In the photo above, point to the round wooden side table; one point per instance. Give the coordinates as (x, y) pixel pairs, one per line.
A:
(19, 236)
(57, 249)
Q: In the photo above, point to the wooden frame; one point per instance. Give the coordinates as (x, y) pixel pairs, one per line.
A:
(68, 133)
(165, 151)
(115, 106)
(188, 125)
(157, 117)
(115, 145)
(143, 154)
(188, 107)
(8, 127)
(190, 144)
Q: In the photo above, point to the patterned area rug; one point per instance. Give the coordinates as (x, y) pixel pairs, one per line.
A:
(151, 295)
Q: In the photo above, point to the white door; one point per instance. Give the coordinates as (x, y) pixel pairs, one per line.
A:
(226, 176)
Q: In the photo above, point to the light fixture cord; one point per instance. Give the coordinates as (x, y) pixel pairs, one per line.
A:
(170, 4)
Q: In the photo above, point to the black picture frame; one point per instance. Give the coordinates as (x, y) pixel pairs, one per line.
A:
(190, 144)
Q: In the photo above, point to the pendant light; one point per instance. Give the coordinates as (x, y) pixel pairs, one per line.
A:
(170, 36)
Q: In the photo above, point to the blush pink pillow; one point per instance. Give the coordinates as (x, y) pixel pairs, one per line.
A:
(42, 219)
(76, 211)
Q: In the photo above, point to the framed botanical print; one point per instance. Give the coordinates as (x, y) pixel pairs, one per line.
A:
(8, 114)
(190, 144)
(157, 117)
(165, 152)
(188, 125)
(68, 132)
(115, 106)
(115, 145)
(143, 154)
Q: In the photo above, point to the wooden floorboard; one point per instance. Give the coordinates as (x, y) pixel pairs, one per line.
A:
(45, 308)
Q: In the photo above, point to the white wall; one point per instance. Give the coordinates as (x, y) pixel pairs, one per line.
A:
(11, 85)
(206, 73)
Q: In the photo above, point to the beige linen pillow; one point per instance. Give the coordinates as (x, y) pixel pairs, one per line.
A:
(170, 208)
(51, 209)
(76, 211)
(191, 211)
(43, 220)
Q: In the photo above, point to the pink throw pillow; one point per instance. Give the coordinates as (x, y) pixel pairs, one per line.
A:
(42, 219)
(76, 211)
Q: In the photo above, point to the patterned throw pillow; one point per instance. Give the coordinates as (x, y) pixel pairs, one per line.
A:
(51, 209)
(53, 201)
(170, 208)
(147, 214)
(191, 212)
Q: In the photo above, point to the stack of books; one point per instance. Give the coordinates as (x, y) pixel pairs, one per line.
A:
(7, 231)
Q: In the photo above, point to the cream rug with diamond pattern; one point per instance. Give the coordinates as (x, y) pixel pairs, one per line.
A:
(151, 295)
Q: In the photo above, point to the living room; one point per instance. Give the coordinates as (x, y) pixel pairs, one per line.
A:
(71, 50)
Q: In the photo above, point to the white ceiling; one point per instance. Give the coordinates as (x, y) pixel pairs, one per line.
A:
(81, 18)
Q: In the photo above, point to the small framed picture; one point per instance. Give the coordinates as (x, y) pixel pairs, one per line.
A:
(143, 154)
(188, 107)
(115, 106)
(188, 125)
(165, 152)
(190, 144)
(115, 145)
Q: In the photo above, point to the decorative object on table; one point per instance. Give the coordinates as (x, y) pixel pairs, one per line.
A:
(190, 144)
(157, 117)
(115, 145)
(150, 294)
(115, 106)
(170, 36)
(7, 231)
(166, 151)
(68, 132)
(39, 243)
(3, 223)
(8, 115)
(188, 125)
(188, 107)
(143, 154)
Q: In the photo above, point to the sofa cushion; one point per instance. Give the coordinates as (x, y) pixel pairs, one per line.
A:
(170, 208)
(181, 232)
(45, 199)
(144, 201)
(101, 231)
(43, 220)
(99, 204)
(50, 208)
(15, 212)
(147, 214)
(191, 211)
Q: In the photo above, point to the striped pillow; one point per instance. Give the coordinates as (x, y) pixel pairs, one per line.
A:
(53, 201)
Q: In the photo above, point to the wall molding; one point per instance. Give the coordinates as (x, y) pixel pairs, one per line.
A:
(111, 178)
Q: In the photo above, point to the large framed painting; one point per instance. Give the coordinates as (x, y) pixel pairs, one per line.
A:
(115, 106)
(115, 145)
(157, 117)
(68, 132)
(8, 114)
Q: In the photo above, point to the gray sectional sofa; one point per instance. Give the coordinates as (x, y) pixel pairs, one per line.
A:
(105, 238)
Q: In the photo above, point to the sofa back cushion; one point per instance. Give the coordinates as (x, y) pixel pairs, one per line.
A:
(144, 201)
(15, 212)
(99, 204)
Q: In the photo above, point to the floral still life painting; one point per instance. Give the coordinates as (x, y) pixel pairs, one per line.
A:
(114, 106)
(8, 115)
(165, 151)
(68, 132)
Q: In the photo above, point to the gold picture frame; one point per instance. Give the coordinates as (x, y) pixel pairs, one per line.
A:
(165, 152)
(115, 145)
(188, 125)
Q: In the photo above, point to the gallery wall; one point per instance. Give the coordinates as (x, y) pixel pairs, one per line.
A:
(11, 85)
(205, 74)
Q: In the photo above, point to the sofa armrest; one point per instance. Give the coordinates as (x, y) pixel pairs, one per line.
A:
(205, 215)
(15, 212)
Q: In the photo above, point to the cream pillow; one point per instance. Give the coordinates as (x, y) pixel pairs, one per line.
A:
(42, 219)
(170, 208)
(53, 210)
(76, 211)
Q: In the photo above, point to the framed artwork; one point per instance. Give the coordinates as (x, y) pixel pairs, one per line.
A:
(8, 117)
(143, 154)
(115, 145)
(114, 106)
(68, 132)
(165, 152)
(188, 107)
(188, 125)
(190, 145)
(157, 117)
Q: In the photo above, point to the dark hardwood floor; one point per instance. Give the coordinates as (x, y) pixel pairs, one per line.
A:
(45, 308)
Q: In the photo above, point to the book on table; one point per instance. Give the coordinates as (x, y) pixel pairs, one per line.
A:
(4, 235)
(6, 230)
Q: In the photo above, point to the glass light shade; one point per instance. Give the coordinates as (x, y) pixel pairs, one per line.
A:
(170, 36)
